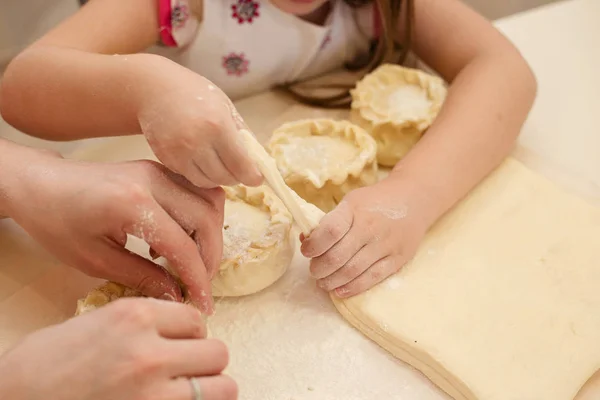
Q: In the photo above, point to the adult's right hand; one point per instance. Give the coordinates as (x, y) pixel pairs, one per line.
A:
(82, 213)
(131, 349)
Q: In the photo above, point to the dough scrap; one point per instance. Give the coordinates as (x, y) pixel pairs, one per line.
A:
(257, 248)
(501, 302)
(396, 105)
(324, 159)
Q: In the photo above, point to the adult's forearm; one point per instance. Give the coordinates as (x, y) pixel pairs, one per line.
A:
(14, 159)
(476, 129)
(64, 94)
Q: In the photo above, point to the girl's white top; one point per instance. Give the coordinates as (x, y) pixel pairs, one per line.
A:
(249, 46)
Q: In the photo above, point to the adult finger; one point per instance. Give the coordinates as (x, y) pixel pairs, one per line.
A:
(167, 238)
(363, 259)
(129, 269)
(170, 319)
(332, 228)
(178, 321)
(219, 387)
(200, 214)
(214, 196)
(196, 357)
(379, 271)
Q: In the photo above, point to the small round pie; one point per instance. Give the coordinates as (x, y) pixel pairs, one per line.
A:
(257, 243)
(324, 159)
(396, 105)
(257, 248)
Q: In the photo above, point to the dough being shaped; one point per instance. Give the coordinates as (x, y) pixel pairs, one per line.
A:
(102, 295)
(396, 105)
(502, 300)
(257, 248)
(324, 159)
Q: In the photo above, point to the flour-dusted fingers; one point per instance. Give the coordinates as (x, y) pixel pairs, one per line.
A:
(198, 211)
(339, 254)
(205, 357)
(167, 238)
(237, 160)
(366, 257)
(210, 163)
(376, 273)
(219, 387)
(332, 228)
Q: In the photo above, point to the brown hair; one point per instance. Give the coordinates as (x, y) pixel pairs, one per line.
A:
(383, 50)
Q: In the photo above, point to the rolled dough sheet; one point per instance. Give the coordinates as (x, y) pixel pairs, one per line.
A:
(502, 302)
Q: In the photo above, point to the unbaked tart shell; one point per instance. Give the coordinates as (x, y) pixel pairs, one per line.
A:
(317, 173)
(396, 124)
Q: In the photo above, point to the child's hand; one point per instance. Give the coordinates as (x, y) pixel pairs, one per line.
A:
(192, 128)
(369, 236)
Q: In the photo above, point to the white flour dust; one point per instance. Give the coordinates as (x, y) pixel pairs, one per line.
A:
(145, 227)
(398, 212)
(318, 153)
(394, 282)
(409, 101)
(289, 343)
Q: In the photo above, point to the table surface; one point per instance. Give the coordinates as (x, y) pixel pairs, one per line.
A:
(560, 140)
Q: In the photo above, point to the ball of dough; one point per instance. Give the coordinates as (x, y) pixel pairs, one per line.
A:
(396, 105)
(324, 159)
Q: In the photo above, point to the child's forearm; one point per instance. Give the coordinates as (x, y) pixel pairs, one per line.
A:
(65, 94)
(475, 130)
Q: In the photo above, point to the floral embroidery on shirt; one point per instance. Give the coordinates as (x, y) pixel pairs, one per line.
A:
(179, 15)
(235, 64)
(245, 11)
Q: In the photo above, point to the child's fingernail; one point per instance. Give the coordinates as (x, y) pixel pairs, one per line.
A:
(341, 292)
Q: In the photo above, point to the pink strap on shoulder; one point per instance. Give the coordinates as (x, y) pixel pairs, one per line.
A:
(164, 20)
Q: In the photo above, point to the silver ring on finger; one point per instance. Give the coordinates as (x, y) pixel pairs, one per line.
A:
(196, 389)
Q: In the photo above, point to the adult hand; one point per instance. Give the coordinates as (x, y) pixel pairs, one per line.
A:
(82, 213)
(127, 350)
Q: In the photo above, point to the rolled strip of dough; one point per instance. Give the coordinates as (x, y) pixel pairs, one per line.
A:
(303, 212)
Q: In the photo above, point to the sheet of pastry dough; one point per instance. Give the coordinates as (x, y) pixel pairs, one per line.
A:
(502, 301)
